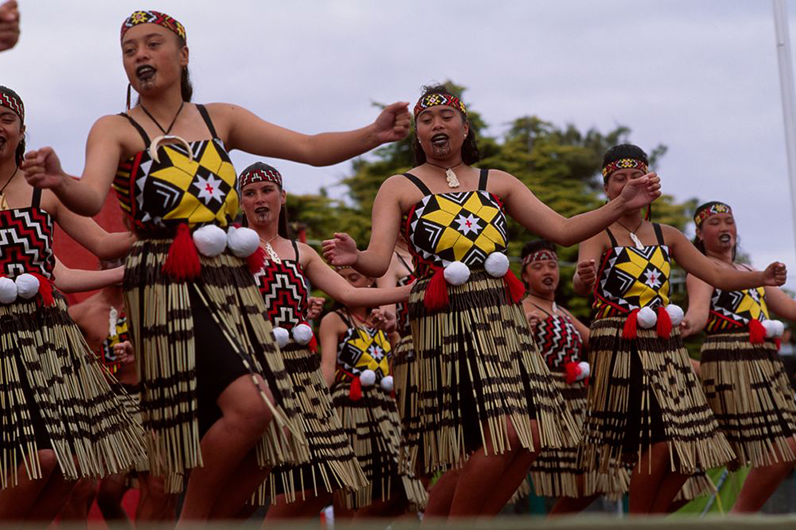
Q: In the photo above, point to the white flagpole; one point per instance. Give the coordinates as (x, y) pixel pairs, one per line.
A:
(787, 89)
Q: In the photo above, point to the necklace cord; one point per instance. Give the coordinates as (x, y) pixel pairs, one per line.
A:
(171, 125)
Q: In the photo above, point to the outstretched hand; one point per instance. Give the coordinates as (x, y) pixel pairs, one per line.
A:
(314, 307)
(9, 25)
(124, 352)
(775, 274)
(393, 123)
(384, 320)
(43, 168)
(587, 272)
(640, 192)
(340, 251)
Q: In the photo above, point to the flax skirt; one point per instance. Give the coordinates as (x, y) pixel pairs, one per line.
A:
(192, 339)
(643, 391)
(477, 367)
(55, 394)
(749, 392)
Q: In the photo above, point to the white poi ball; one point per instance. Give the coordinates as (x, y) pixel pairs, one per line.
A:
(367, 378)
(676, 314)
(780, 328)
(770, 327)
(242, 242)
(457, 273)
(647, 318)
(387, 383)
(282, 336)
(8, 290)
(27, 285)
(210, 240)
(497, 264)
(302, 334)
(585, 370)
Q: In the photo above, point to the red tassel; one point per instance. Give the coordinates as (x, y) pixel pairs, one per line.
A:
(256, 260)
(630, 330)
(757, 333)
(664, 323)
(514, 287)
(437, 292)
(182, 262)
(778, 343)
(355, 393)
(573, 371)
(45, 290)
(586, 381)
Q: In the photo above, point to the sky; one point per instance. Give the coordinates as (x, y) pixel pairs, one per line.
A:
(699, 76)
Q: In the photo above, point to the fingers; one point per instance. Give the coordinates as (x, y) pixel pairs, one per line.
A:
(397, 107)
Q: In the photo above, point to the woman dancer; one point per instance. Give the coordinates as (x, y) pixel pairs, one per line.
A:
(487, 399)
(61, 419)
(357, 362)
(645, 402)
(743, 377)
(196, 318)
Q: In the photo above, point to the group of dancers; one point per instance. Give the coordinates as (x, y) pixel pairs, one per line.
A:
(439, 380)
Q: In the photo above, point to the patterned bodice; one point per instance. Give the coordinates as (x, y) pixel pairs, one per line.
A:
(558, 341)
(26, 240)
(106, 353)
(285, 291)
(196, 186)
(631, 278)
(732, 310)
(464, 226)
(363, 348)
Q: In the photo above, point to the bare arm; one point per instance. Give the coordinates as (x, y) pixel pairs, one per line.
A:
(699, 294)
(540, 219)
(249, 133)
(589, 254)
(87, 232)
(712, 273)
(76, 281)
(780, 303)
(329, 332)
(389, 280)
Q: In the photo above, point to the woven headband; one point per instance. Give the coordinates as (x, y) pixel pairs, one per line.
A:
(623, 163)
(540, 255)
(154, 17)
(12, 101)
(259, 173)
(713, 209)
(434, 100)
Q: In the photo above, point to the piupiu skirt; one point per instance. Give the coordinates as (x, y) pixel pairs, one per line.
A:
(644, 391)
(192, 339)
(751, 397)
(55, 394)
(374, 430)
(477, 368)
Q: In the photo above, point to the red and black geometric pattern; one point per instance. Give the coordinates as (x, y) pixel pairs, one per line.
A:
(434, 100)
(10, 101)
(285, 292)
(26, 242)
(623, 163)
(558, 340)
(732, 310)
(153, 17)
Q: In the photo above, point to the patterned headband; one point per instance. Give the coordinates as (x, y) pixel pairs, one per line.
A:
(434, 100)
(712, 209)
(10, 99)
(154, 17)
(540, 255)
(623, 163)
(259, 172)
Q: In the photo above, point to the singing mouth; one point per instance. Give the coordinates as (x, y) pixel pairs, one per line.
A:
(548, 281)
(145, 72)
(725, 238)
(439, 139)
(262, 210)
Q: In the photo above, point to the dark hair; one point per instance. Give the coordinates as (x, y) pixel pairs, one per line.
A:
(699, 243)
(283, 228)
(19, 154)
(470, 153)
(186, 87)
(535, 246)
(621, 151)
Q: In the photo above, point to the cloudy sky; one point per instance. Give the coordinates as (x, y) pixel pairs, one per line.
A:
(699, 76)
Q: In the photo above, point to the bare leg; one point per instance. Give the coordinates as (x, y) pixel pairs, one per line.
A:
(154, 505)
(760, 484)
(309, 508)
(573, 505)
(668, 490)
(648, 477)
(245, 418)
(52, 498)
(393, 507)
(17, 502)
(240, 488)
(77, 507)
(440, 497)
(109, 499)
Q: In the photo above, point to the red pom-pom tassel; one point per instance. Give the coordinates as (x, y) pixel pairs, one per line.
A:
(355, 393)
(256, 260)
(778, 343)
(313, 344)
(437, 291)
(514, 287)
(182, 262)
(572, 372)
(664, 323)
(757, 333)
(45, 290)
(630, 330)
